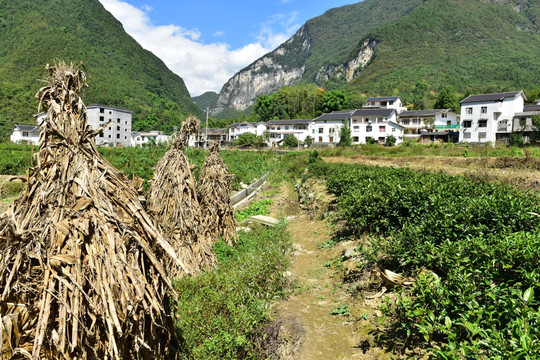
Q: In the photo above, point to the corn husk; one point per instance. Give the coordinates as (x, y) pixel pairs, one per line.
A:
(81, 275)
(174, 204)
(214, 190)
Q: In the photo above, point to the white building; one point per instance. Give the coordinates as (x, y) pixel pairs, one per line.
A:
(377, 124)
(210, 135)
(118, 133)
(325, 129)
(257, 128)
(27, 134)
(523, 123)
(489, 117)
(391, 102)
(415, 122)
(154, 137)
(278, 130)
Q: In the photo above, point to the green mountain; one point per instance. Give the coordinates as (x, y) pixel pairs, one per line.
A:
(206, 100)
(396, 47)
(121, 73)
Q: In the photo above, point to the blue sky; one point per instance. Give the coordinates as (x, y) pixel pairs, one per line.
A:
(207, 42)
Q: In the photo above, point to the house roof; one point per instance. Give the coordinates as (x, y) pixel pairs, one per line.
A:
(413, 113)
(335, 115)
(26, 127)
(290, 122)
(389, 98)
(373, 112)
(492, 97)
(531, 108)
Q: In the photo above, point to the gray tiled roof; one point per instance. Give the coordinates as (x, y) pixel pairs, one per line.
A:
(335, 115)
(389, 98)
(413, 113)
(531, 108)
(91, 106)
(373, 112)
(491, 97)
(26, 127)
(290, 122)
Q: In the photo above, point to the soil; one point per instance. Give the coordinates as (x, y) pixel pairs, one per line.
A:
(522, 173)
(304, 326)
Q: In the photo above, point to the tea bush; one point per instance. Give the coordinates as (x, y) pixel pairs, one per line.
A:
(479, 241)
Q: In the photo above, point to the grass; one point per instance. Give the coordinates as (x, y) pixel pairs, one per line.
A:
(219, 313)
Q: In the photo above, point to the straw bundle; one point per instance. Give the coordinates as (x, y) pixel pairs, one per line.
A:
(80, 275)
(174, 204)
(215, 185)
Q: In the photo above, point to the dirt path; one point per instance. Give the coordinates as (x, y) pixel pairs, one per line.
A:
(308, 329)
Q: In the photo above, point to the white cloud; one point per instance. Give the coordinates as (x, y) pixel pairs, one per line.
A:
(204, 67)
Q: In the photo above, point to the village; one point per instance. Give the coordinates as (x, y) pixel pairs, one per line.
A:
(484, 118)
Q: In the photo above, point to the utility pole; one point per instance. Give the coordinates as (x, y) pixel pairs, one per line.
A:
(206, 137)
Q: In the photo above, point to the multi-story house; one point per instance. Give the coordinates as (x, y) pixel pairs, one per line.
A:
(117, 133)
(278, 130)
(415, 122)
(325, 129)
(391, 102)
(237, 129)
(376, 124)
(523, 121)
(142, 138)
(489, 117)
(28, 134)
(209, 135)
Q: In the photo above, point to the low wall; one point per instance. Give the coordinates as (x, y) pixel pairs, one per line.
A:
(242, 194)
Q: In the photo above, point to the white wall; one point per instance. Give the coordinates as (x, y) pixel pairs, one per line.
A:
(375, 127)
(325, 131)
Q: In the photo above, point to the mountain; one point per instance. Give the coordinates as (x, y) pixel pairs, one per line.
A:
(206, 100)
(385, 47)
(120, 72)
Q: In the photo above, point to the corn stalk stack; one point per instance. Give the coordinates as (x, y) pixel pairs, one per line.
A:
(174, 204)
(215, 186)
(80, 269)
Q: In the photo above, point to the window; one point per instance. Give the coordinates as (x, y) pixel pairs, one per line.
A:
(482, 123)
(466, 135)
(468, 110)
(391, 103)
(125, 137)
(286, 127)
(369, 128)
(320, 138)
(356, 128)
(449, 122)
(482, 135)
(118, 136)
(382, 128)
(415, 121)
(467, 123)
(110, 112)
(118, 128)
(368, 139)
(332, 130)
(118, 121)
(355, 139)
(101, 110)
(125, 123)
(101, 134)
(381, 140)
(101, 118)
(483, 110)
(406, 121)
(109, 128)
(279, 127)
(321, 130)
(109, 136)
(444, 115)
(25, 133)
(313, 131)
(393, 129)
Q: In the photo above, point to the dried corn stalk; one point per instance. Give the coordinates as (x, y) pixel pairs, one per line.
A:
(215, 185)
(80, 269)
(174, 204)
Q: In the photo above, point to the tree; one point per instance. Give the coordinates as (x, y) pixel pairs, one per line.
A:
(264, 108)
(308, 141)
(390, 140)
(448, 99)
(419, 95)
(345, 136)
(290, 141)
(249, 139)
(334, 101)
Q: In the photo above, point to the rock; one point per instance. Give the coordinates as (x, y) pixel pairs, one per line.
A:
(348, 253)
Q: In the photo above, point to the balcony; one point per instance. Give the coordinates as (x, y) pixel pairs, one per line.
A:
(446, 127)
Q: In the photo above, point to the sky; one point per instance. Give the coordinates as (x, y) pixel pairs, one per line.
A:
(206, 42)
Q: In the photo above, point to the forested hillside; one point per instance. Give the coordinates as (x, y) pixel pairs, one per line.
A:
(121, 72)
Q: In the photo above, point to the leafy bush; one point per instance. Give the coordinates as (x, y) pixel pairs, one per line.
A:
(257, 208)
(290, 141)
(219, 313)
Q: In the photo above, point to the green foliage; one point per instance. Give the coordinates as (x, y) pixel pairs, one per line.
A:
(261, 207)
(345, 136)
(479, 242)
(313, 156)
(15, 159)
(249, 139)
(219, 313)
(390, 140)
(290, 141)
(341, 310)
(295, 102)
(448, 99)
(206, 100)
(334, 101)
(121, 73)
(308, 141)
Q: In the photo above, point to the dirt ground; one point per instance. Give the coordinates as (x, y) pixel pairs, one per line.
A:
(520, 172)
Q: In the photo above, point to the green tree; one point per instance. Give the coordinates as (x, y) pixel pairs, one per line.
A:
(264, 108)
(448, 99)
(249, 139)
(334, 101)
(290, 141)
(308, 141)
(345, 136)
(390, 140)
